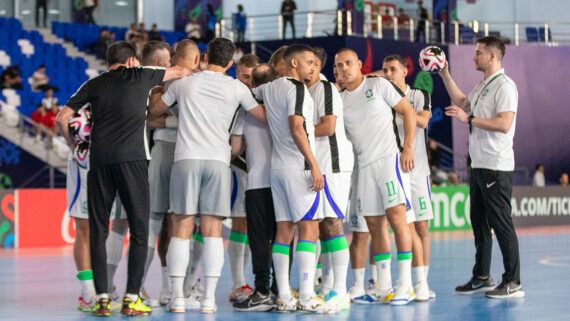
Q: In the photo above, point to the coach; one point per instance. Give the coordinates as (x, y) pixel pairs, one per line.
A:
(493, 105)
(118, 162)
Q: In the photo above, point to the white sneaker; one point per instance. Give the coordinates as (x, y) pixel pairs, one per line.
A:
(286, 305)
(208, 306)
(315, 305)
(163, 298)
(371, 286)
(403, 294)
(339, 301)
(355, 291)
(431, 294)
(191, 303)
(385, 296)
(422, 291)
(176, 305)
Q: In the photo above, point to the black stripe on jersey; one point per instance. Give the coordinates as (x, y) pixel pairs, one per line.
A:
(307, 167)
(300, 96)
(333, 143)
(398, 142)
(174, 104)
(427, 102)
(234, 119)
(398, 90)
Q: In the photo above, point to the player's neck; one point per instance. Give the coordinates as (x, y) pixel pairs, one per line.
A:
(292, 73)
(216, 68)
(117, 65)
(352, 86)
(493, 69)
(313, 82)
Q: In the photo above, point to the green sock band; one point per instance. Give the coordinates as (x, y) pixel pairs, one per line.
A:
(382, 257)
(324, 247)
(319, 266)
(336, 244)
(404, 256)
(199, 238)
(85, 275)
(238, 237)
(280, 248)
(306, 246)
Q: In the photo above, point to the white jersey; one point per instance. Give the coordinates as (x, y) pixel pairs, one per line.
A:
(208, 102)
(258, 151)
(420, 100)
(334, 153)
(488, 149)
(168, 134)
(282, 98)
(369, 119)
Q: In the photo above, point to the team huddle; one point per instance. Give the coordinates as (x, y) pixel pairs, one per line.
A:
(279, 150)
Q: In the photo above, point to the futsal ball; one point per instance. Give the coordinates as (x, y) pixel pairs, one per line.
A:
(81, 154)
(432, 59)
(80, 124)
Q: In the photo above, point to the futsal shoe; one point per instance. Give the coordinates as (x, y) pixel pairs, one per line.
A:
(135, 308)
(355, 291)
(176, 305)
(208, 306)
(431, 294)
(286, 305)
(315, 305)
(102, 308)
(338, 301)
(476, 285)
(422, 291)
(403, 294)
(191, 303)
(86, 306)
(506, 290)
(241, 293)
(255, 302)
(376, 296)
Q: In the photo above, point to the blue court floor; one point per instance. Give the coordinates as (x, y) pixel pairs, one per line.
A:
(41, 285)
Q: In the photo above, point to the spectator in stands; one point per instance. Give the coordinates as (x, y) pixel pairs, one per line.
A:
(434, 155)
(240, 24)
(194, 30)
(88, 7)
(49, 120)
(403, 18)
(564, 179)
(142, 32)
(288, 8)
(153, 34)
(212, 21)
(11, 78)
(37, 116)
(49, 101)
(538, 178)
(422, 16)
(452, 179)
(41, 4)
(387, 19)
(102, 43)
(132, 31)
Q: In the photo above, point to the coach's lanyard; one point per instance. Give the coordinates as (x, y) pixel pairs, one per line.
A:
(482, 90)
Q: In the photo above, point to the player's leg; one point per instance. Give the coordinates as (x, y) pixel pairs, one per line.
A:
(421, 203)
(115, 244)
(83, 264)
(358, 248)
(421, 287)
(162, 249)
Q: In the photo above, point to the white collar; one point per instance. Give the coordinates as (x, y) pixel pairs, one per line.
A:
(500, 71)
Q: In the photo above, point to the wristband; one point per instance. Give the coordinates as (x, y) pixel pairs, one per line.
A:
(469, 121)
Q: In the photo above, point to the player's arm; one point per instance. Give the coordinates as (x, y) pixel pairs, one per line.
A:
(176, 72)
(259, 114)
(457, 96)
(326, 127)
(156, 121)
(422, 118)
(403, 107)
(237, 142)
(502, 123)
(62, 121)
(301, 140)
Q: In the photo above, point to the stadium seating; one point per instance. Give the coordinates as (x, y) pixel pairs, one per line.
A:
(531, 34)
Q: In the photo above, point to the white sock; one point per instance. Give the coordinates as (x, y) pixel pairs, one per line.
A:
(213, 263)
(177, 259)
(306, 260)
(373, 273)
(358, 277)
(327, 272)
(280, 256)
(419, 274)
(166, 288)
(192, 272)
(404, 271)
(340, 260)
(426, 270)
(87, 289)
(131, 296)
(114, 246)
(384, 274)
(155, 223)
(102, 296)
(236, 252)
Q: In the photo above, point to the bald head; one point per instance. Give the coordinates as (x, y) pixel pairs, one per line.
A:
(262, 74)
(187, 54)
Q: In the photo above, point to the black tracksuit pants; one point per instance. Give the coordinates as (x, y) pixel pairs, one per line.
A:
(130, 180)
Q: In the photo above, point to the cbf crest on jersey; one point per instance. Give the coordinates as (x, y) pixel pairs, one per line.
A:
(485, 92)
(369, 95)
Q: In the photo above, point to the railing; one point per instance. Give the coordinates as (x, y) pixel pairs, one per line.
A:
(343, 22)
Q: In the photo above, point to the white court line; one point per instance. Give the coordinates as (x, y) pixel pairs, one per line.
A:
(553, 261)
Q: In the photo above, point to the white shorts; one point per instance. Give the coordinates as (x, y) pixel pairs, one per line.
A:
(200, 187)
(334, 196)
(239, 182)
(76, 190)
(382, 185)
(421, 197)
(293, 198)
(357, 222)
(159, 170)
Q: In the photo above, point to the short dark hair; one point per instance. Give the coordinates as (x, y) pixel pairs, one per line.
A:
(262, 74)
(120, 52)
(240, 7)
(41, 66)
(347, 49)
(398, 58)
(249, 60)
(295, 49)
(220, 51)
(537, 166)
(494, 42)
(321, 54)
(149, 50)
(277, 56)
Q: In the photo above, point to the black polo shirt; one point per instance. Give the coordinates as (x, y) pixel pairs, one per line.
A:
(118, 99)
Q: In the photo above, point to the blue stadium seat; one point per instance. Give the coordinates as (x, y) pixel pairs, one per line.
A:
(541, 34)
(531, 34)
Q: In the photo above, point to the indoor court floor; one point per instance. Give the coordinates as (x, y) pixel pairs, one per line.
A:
(40, 284)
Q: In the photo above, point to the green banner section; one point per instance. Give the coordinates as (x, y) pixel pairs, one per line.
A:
(450, 208)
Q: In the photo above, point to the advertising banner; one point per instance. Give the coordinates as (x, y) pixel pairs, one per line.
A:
(450, 208)
(534, 206)
(7, 219)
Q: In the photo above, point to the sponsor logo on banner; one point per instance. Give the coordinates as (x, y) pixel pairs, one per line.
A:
(450, 208)
(7, 219)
